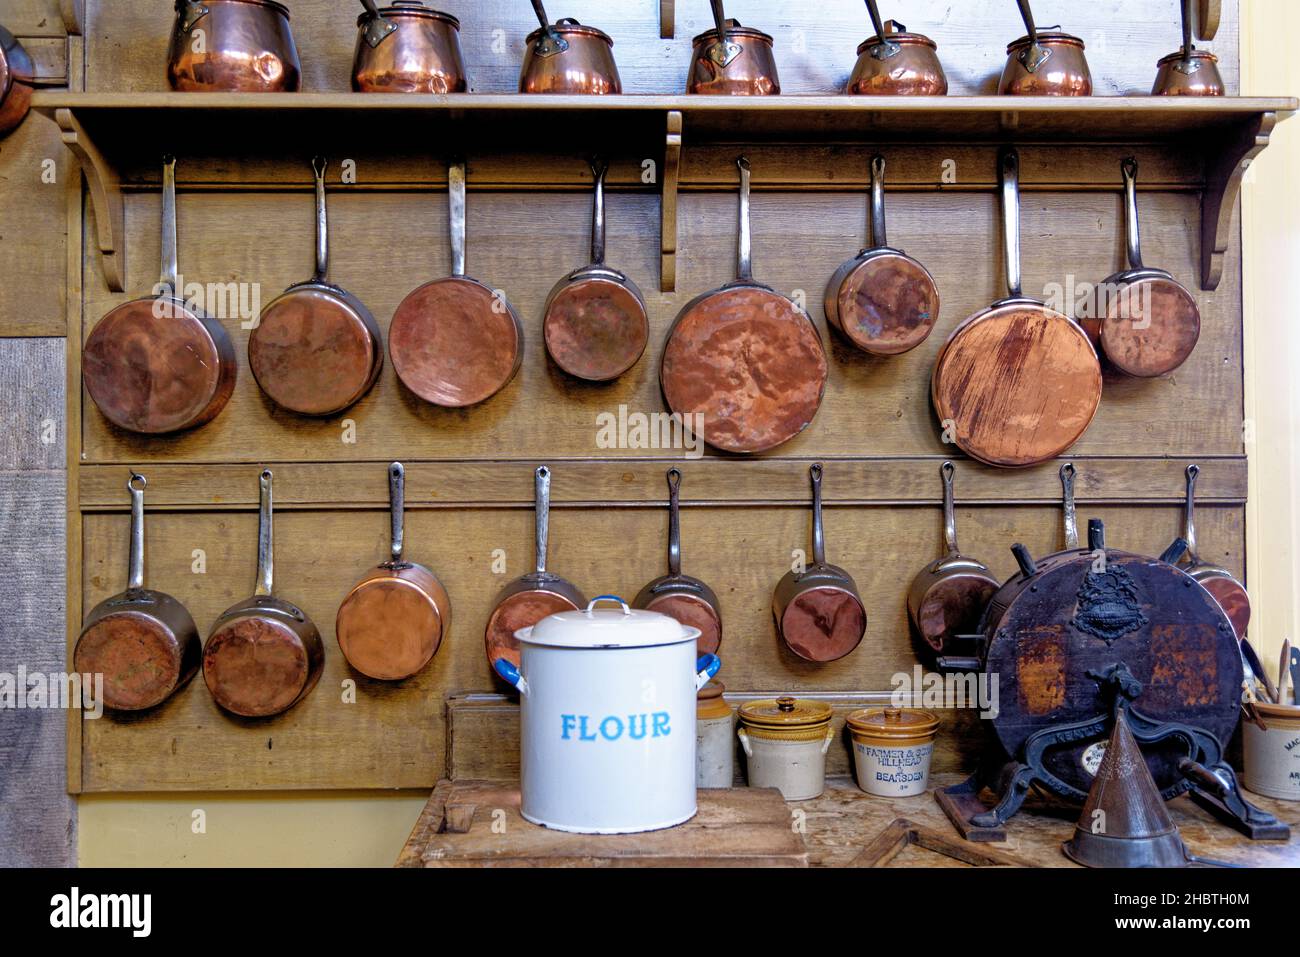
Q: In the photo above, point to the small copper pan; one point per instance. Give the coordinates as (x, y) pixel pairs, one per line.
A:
(948, 596)
(896, 63)
(530, 598)
(679, 596)
(390, 625)
(1150, 323)
(263, 654)
(745, 358)
(407, 48)
(159, 364)
(316, 349)
(1188, 71)
(595, 324)
(818, 610)
(732, 60)
(455, 342)
(1044, 62)
(882, 300)
(1219, 582)
(567, 57)
(143, 642)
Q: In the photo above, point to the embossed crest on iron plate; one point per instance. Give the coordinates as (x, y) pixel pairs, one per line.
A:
(1109, 606)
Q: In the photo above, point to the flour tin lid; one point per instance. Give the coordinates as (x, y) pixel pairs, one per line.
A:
(785, 712)
(594, 627)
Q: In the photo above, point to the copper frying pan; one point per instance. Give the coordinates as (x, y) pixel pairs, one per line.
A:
(1151, 322)
(391, 623)
(595, 322)
(263, 654)
(1219, 582)
(530, 598)
(158, 364)
(882, 300)
(316, 349)
(746, 358)
(455, 341)
(143, 642)
(1018, 383)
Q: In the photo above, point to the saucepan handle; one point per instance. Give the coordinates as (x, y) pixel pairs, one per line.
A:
(706, 666)
(510, 675)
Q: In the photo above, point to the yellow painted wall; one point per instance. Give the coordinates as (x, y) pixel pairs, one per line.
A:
(365, 829)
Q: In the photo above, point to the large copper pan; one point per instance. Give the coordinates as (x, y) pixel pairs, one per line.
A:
(456, 341)
(745, 358)
(316, 349)
(159, 364)
(142, 641)
(568, 57)
(237, 46)
(1018, 383)
(407, 48)
(732, 60)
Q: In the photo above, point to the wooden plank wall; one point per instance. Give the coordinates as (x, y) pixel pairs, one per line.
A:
(470, 472)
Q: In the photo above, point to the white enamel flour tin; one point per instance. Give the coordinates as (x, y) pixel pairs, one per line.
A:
(607, 724)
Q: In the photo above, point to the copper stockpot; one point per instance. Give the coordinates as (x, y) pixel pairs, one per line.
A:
(240, 46)
(393, 620)
(1049, 63)
(1188, 71)
(731, 60)
(17, 75)
(158, 364)
(567, 57)
(143, 642)
(407, 48)
(818, 610)
(896, 63)
(263, 654)
(1218, 581)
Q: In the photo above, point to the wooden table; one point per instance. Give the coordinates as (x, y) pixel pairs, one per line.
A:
(477, 823)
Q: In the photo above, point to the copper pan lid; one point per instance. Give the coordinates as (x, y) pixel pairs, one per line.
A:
(916, 39)
(569, 28)
(1193, 55)
(1045, 37)
(734, 29)
(279, 8)
(413, 9)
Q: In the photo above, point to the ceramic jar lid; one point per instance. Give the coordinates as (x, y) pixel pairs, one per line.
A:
(710, 704)
(902, 724)
(786, 713)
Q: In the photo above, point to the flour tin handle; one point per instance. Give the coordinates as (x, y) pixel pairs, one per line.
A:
(510, 675)
(706, 666)
(599, 598)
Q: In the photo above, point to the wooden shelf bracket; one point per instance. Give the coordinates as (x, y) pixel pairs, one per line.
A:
(672, 172)
(1225, 168)
(105, 194)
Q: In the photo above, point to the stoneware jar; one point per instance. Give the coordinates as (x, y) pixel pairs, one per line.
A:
(785, 744)
(1271, 748)
(892, 748)
(607, 719)
(715, 747)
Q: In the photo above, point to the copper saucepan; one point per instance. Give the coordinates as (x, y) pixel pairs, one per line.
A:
(143, 642)
(732, 60)
(392, 622)
(818, 610)
(948, 596)
(1018, 383)
(17, 76)
(882, 300)
(896, 63)
(1045, 63)
(238, 46)
(530, 598)
(567, 57)
(595, 321)
(316, 348)
(745, 358)
(407, 48)
(159, 364)
(1149, 323)
(1218, 581)
(263, 654)
(679, 596)
(1188, 71)
(456, 341)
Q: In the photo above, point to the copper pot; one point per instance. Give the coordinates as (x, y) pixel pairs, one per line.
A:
(1188, 71)
(407, 48)
(896, 63)
(731, 60)
(241, 46)
(1218, 581)
(567, 57)
(17, 74)
(1047, 63)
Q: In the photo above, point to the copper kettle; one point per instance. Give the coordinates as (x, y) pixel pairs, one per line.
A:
(568, 57)
(407, 48)
(896, 63)
(1045, 62)
(242, 46)
(732, 60)
(1188, 71)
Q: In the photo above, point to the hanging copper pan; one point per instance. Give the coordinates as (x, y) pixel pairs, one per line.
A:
(17, 76)
(1219, 582)
(1018, 383)
(316, 349)
(1149, 323)
(595, 322)
(882, 300)
(530, 598)
(263, 654)
(455, 342)
(143, 642)
(818, 610)
(390, 625)
(679, 596)
(159, 364)
(745, 358)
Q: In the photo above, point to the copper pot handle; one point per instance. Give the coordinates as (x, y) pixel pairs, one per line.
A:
(397, 508)
(1189, 514)
(456, 215)
(550, 42)
(542, 507)
(674, 524)
(599, 167)
(188, 13)
(1067, 506)
(1132, 232)
(1034, 55)
(885, 48)
(377, 29)
(167, 278)
(878, 235)
(318, 166)
(1188, 64)
(946, 472)
(135, 560)
(722, 50)
(1010, 170)
(744, 246)
(818, 533)
(265, 539)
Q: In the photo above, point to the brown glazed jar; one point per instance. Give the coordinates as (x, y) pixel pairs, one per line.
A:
(584, 64)
(1063, 72)
(237, 46)
(900, 64)
(409, 48)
